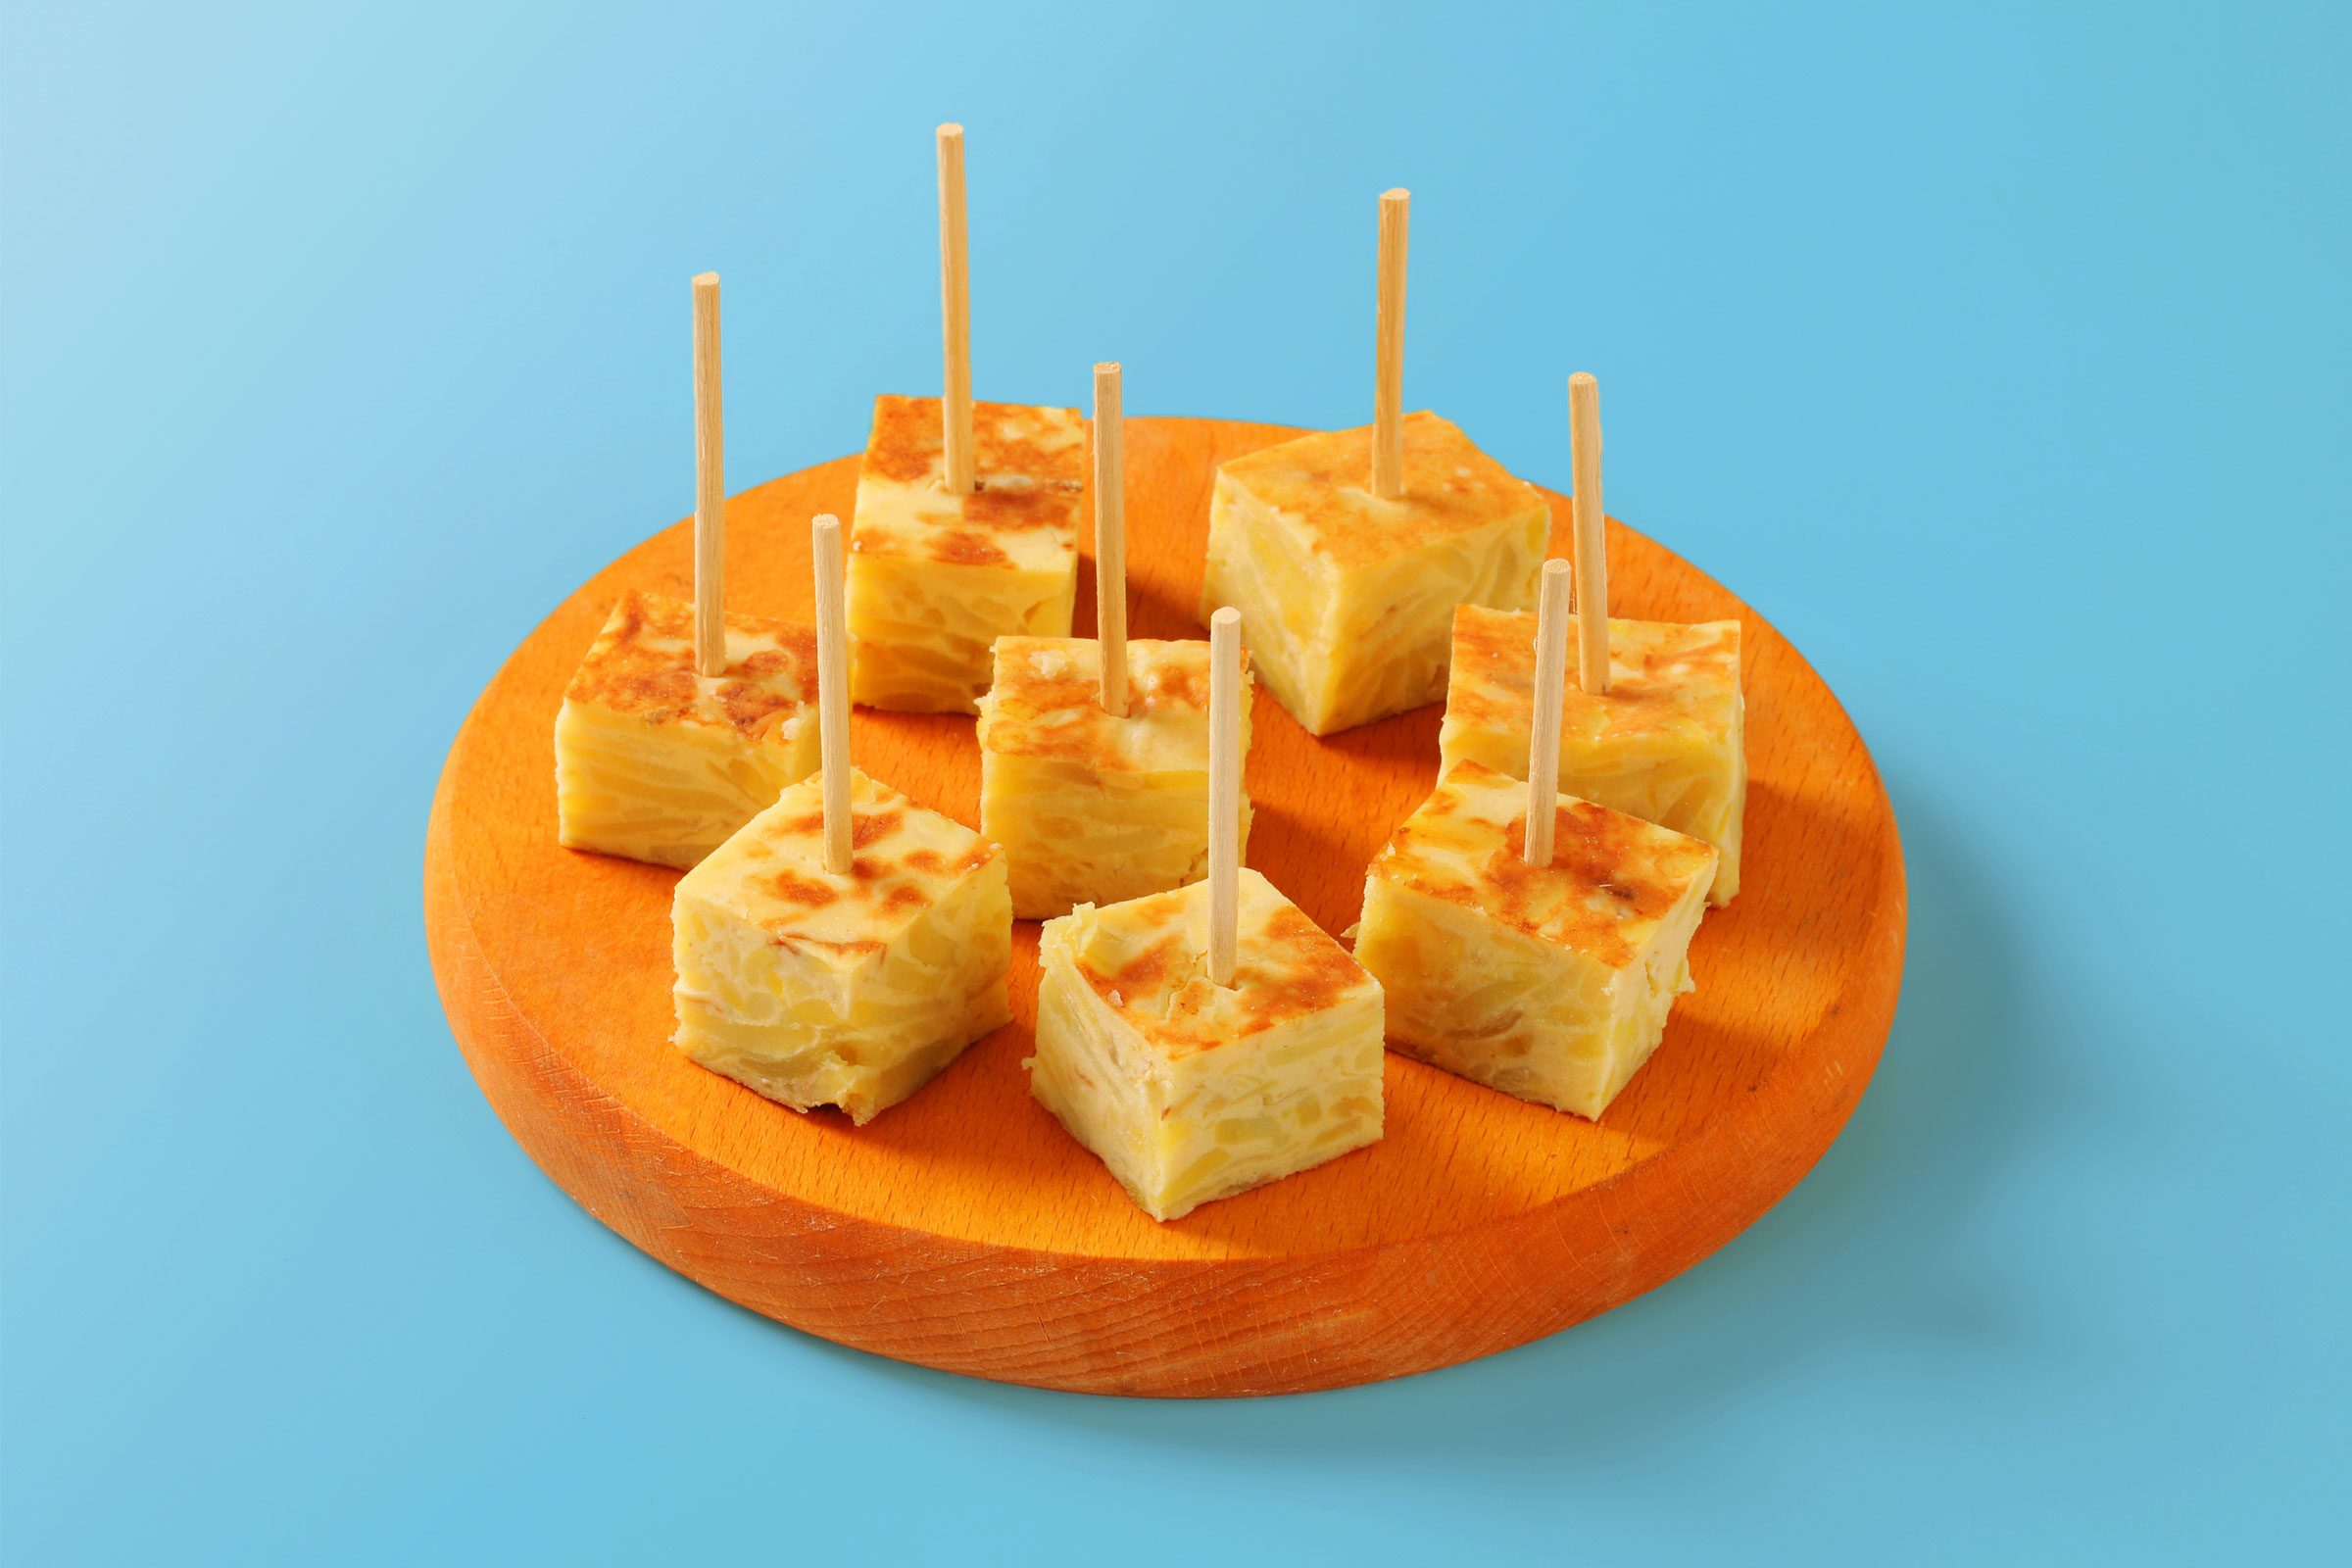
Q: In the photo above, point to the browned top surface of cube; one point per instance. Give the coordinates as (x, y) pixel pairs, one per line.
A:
(1028, 475)
(1663, 675)
(1147, 959)
(1321, 486)
(1612, 879)
(642, 665)
(903, 859)
(1046, 704)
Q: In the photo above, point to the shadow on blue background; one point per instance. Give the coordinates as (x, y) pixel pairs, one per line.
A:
(1897, 1194)
(2000, 354)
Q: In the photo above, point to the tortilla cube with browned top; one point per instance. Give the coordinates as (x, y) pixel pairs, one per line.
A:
(1092, 807)
(1346, 598)
(1550, 983)
(853, 989)
(934, 577)
(1666, 742)
(1189, 1090)
(658, 762)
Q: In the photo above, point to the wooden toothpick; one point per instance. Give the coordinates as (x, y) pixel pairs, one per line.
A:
(1388, 386)
(832, 690)
(1544, 741)
(955, 311)
(1592, 535)
(1224, 791)
(1110, 536)
(710, 487)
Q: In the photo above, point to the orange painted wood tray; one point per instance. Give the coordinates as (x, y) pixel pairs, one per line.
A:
(964, 1230)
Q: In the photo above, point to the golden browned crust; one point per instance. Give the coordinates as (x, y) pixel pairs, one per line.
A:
(1612, 878)
(1287, 969)
(966, 547)
(1046, 702)
(642, 665)
(1029, 477)
(1663, 675)
(903, 859)
(1010, 440)
(1322, 484)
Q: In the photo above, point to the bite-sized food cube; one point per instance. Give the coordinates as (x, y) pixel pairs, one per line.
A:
(1548, 983)
(656, 763)
(1346, 598)
(1189, 1090)
(935, 578)
(1092, 807)
(819, 989)
(1664, 742)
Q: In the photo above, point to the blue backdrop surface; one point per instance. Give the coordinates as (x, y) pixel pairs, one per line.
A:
(1998, 352)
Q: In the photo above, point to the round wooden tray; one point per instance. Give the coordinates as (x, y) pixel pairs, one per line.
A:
(966, 1231)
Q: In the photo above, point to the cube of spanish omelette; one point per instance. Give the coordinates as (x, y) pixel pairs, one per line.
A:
(1551, 983)
(656, 763)
(1666, 742)
(854, 990)
(935, 578)
(1189, 1090)
(1093, 808)
(1346, 598)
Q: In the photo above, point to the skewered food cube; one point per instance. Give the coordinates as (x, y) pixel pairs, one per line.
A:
(1664, 742)
(935, 578)
(1554, 983)
(1189, 1091)
(1093, 808)
(818, 989)
(1346, 598)
(656, 763)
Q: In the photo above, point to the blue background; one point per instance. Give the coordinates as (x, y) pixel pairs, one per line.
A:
(1998, 352)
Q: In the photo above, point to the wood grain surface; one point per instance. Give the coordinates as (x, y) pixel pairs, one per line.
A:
(964, 1230)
